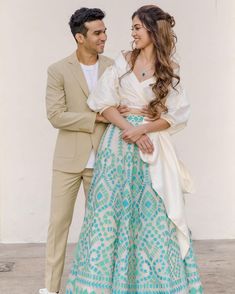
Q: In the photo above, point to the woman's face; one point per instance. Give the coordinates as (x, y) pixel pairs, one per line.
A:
(140, 34)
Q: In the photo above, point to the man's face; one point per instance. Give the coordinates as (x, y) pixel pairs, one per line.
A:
(95, 38)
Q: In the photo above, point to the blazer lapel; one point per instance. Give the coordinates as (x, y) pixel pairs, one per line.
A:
(78, 73)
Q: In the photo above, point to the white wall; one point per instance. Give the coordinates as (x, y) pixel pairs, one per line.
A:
(35, 34)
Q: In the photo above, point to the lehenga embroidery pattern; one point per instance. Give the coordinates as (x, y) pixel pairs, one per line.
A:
(127, 243)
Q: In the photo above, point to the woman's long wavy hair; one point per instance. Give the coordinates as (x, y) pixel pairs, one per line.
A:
(159, 25)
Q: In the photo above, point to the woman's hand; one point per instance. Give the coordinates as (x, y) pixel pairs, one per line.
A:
(145, 144)
(132, 134)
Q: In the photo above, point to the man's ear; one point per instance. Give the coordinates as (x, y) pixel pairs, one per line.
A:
(80, 38)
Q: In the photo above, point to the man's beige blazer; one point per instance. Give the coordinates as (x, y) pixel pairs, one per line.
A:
(67, 110)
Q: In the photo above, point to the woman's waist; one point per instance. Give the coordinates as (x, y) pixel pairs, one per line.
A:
(135, 117)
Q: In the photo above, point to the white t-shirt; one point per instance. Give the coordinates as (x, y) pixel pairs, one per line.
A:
(91, 75)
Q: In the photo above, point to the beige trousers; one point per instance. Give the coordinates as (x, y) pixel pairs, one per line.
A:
(65, 188)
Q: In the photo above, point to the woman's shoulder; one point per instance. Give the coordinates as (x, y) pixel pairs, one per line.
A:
(123, 59)
(126, 54)
(123, 55)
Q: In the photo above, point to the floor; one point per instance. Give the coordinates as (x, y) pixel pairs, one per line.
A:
(22, 266)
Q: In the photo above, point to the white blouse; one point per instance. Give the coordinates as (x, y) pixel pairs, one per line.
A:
(169, 177)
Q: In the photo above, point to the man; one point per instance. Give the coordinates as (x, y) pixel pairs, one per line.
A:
(69, 83)
(80, 130)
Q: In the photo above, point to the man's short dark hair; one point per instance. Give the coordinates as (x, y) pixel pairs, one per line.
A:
(82, 15)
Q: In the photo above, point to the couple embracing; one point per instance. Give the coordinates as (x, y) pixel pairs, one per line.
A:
(115, 119)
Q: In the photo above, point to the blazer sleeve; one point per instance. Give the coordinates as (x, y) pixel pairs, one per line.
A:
(57, 110)
(106, 92)
(178, 109)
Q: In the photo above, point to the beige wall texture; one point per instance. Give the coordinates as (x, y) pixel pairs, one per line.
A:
(35, 34)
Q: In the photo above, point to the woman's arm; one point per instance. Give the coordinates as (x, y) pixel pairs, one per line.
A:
(143, 142)
(156, 125)
(175, 119)
(134, 133)
(113, 115)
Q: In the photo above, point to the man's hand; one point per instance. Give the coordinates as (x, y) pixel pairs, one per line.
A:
(100, 118)
(149, 116)
(123, 110)
(145, 144)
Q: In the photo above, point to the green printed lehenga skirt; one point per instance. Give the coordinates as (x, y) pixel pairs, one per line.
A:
(127, 243)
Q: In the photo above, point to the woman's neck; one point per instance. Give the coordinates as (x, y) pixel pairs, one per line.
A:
(147, 55)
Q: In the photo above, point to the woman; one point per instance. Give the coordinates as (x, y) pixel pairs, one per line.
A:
(134, 238)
